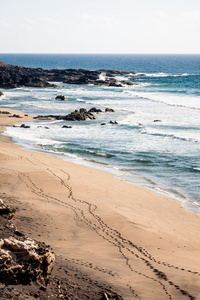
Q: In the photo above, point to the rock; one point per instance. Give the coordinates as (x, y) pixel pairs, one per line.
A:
(83, 110)
(80, 115)
(6, 210)
(157, 121)
(109, 110)
(14, 76)
(25, 126)
(42, 118)
(103, 123)
(24, 261)
(5, 112)
(15, 116)
(60, 97)
(65, 126)
(95, 110)
(1, 94)
(113, 122)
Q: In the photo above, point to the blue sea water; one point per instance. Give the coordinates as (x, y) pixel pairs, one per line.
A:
(156, 142)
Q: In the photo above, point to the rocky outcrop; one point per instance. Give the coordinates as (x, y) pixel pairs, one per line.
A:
(95, 110)
(22, 260)
(77, 115)
(1, 94)
(15, 76)
(80, 115)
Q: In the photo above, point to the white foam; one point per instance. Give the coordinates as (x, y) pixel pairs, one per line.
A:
(169, 99)
(102, 76)
(164, 74)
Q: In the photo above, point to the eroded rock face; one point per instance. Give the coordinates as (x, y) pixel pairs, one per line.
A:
(22, 259)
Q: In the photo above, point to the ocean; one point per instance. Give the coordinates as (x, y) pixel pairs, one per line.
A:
(156, 141)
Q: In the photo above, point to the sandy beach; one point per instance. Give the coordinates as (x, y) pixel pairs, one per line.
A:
(105, 232)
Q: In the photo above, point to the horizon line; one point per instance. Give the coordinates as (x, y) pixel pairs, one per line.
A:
(57, 53)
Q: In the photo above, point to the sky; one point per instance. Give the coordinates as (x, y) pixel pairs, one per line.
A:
(100, 26)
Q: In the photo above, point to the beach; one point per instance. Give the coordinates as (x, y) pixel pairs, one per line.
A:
(111, 234)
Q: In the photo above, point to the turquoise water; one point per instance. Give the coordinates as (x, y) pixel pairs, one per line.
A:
(163, 155)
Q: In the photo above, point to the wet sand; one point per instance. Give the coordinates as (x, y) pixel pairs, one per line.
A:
(112, 234)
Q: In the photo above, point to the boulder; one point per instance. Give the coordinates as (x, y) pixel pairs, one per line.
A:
(24, 261)
(109, 110)
(25, 126)
(94, 110)
(5, 210)
(60, 97)
(1, 94)
(80, 115)
(65, 126)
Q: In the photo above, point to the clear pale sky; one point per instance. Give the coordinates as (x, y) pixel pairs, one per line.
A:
(100, 26)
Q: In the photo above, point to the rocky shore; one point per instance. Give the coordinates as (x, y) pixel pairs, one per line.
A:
(26, 266)
(12, 76)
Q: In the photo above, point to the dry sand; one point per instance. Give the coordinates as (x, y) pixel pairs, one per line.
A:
(111, 233)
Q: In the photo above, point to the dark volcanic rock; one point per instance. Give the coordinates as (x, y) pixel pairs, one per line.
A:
(25, 126)
(77, 115)
(113, 122)
(95, 110)
(60, 97)
(14, 76)
(15, 116)
(109, 110)
(1, 94)
(65, 126)
(5, 112)
(80, 115)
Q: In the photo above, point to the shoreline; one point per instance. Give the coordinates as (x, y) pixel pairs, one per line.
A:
(125, 236)
(188, 205)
